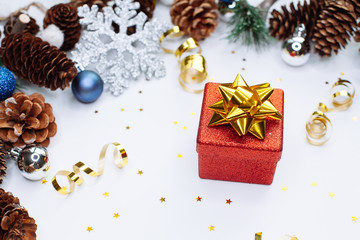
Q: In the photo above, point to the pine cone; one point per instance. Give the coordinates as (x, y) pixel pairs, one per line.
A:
(3, 167)
(282, 25)
(65, 17)
(25, 120)
(15, 222)
(19, 23)
(100, 3)
(32, 59)
(335, 25)
(198, 18)
(356, 4)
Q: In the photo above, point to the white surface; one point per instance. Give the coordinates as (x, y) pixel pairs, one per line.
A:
(154, 141)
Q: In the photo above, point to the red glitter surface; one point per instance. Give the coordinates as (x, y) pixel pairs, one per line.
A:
(224, 155)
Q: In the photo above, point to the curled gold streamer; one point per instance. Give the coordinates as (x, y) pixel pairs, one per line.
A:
(193, 69)
(119, 156)
(319, 127)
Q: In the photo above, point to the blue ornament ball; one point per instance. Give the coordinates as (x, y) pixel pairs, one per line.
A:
(7, 83)
(87, 86)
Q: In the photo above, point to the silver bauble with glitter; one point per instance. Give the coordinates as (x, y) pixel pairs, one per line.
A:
(296, 50)
(33, 161)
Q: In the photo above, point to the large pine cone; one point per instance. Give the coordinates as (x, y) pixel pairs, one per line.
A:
(65, 17)
(334, 27)
(25, 120)
(15, 222)
(283, 24)
(32, 59)
(3, 167)
(198, 18)
(15, 25)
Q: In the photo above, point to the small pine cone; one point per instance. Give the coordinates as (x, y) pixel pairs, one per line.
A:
(147, 7)
(15, 222)
(26, 120)
(21, 23)
(198, 18)
(65, 17)
(3, 167)
(32, 59)
(100, 3)
(334, 27)
(283, 24)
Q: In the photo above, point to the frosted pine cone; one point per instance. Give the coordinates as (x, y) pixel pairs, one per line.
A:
(26, 120)
(15, 222)
(198, 18)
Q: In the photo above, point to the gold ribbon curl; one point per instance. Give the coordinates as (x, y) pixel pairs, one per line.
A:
(244, 107)
(193, 69)
(75, 177)
(319, 127)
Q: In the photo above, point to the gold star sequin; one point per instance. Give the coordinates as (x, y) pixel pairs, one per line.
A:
(193, 78)
(179, 155)
(314, 184)
(116, 215)
(198, 199)
(64, 188)
(141, 109)
(184, 127)
(140, 172)
(96, 111)
(89, 229)
(162, 199)
(342, 74)
(212, 79)
(175, 122)
(127, 128)
(355, 119)
(354, 218)
(233, 52)
(243, 69)
(192, 113)
(140, 92)
(284, 188)
(122, 109)
(106, 194)
(44, 181)
(331, 194)
(212, 228)
(279, 79)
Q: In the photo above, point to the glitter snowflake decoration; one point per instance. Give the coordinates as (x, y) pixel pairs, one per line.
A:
(119, 57)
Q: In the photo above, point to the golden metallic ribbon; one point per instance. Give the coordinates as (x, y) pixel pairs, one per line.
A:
(193, 69)
(244, 107)
(319, 127)
(258, 236)
(119, 156)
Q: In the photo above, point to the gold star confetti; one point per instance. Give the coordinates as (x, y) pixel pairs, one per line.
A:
(116, 215)
(175, 122)
(354, 218)
(162, 199)
(342, 74)
(127, 128)
(314, 184)
(355, 119)
(279, 79)
(243, 69)
(141, 109)
(212, 228)
(233, 52)
(331, 194)
(122, 109)
(140, 92)
(64, 188)
(193, 78)
(284, 188)
(96, 111)
(89, 229)
(179, 155)
(106, 194)
(198, 199)
(44, 181)
(140, 172)
(184, 127)
(228, 201)
(212, 79)
(192, 113)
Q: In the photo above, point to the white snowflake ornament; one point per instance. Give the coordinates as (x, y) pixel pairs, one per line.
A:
(119, 57)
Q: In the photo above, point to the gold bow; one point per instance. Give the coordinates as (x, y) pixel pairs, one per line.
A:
(245, 108)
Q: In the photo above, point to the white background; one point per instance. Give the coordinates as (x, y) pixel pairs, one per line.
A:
(153, 143)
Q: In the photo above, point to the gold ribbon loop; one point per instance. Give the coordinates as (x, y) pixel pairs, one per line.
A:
(119, 156)
(319, 127)
(193, 69)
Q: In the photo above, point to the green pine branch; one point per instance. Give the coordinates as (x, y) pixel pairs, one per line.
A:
(248, 25)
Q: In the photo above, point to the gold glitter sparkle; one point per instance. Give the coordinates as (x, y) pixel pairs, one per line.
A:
(116, 215)
(162, 199)
(284, 188)
(89, 229)
(122, 109)
(140, 92)
(342, 74)
(192, 113)
(175, 122)
(180, 155)
(354, 218)
(198, 199)
(212, 228)
(184, 127)
(140, 172)
(331, 194)
(44, 181)
(279, 79)
(212, 79)
(141, 109)
(106, 194)
(314, 184)
(127, 128)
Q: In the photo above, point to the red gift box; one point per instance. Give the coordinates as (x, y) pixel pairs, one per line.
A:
(224, 155)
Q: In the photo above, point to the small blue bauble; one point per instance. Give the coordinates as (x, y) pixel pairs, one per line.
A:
(87, 86)
(7, 84)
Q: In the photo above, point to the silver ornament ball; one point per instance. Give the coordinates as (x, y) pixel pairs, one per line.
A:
(296, 50)
(33, 162)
